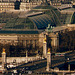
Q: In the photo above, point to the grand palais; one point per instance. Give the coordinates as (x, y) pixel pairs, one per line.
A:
(29, 26)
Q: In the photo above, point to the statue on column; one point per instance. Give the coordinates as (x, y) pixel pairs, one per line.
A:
(45, 47)
(49, 50)
(3, 60)
(3, 50)
(44, 40)
(48, 60)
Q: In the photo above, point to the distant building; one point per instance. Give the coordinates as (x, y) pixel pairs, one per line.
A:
(29, 5)
(24, 5)
(55, 2)
(6, 6)
(60, 2)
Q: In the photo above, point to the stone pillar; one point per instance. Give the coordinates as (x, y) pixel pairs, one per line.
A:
(54, 40)
(3, 61)
(48, 60)
(26, 53)
(26, 56)
(25, 43)
(44, 47)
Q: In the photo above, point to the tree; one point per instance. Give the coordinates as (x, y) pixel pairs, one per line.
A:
(67, 41)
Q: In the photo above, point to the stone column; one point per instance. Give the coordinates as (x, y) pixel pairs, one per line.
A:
(26, 56)
(3, 61)
(44, 47)
(54, 40)
(26, 53)
(48, 60)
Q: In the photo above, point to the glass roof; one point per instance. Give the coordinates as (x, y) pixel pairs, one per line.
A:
(19, 23)
(41, 21)
(35, 19)
(34, 22)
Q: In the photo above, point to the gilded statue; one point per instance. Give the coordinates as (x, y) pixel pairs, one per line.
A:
(49, 50)
(3, 50)
(44, 40)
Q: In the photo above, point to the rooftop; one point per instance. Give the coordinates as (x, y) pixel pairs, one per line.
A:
(36, 19)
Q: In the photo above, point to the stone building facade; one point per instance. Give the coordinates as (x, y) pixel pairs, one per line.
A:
(55, 2)
(24, 5)
(35, 40)
(60, 2)
(28, 6)
(8, 5)
(5, 6)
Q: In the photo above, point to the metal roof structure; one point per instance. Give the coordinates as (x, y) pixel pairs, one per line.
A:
(36, 19)
(41, 21)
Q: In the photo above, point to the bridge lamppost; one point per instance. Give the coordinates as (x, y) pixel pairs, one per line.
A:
(49, 60)
(3, 61)
(45, 47)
